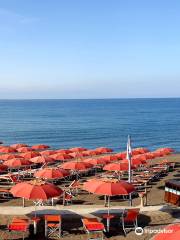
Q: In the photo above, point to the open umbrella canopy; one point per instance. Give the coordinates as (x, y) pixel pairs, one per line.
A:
(90, 152)
(61, 156)
(18, 145)
(36, 190)
(120, 155)
(40, 147)
(29, 155)
(24, 149)
(108, 187)
(110, 158)
(78, 154)
(48, 152)
(170, 232)
(9, 156)
(118, 167)
(134, 161)
(16, 162)
(41, 159)
(78, 149)
(95, 161)
(51, 173)
(165, 151)
(63, 151)
(75, 165)
(141, 150)
(103, 150)
(6, 149)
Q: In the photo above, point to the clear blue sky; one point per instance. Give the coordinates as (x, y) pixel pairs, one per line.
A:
(89, 48)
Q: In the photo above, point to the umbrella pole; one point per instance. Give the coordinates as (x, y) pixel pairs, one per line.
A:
(130, 200)
(108, 219)
(23, 202)
(105, 200)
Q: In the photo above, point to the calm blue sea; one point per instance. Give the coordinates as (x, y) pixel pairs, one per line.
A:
(152, 123)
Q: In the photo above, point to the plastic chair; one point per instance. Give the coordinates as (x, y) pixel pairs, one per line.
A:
(53, 226)
(19, 225)
(93, 226)
(129, 219)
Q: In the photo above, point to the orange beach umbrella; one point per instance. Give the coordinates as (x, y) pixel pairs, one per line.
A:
(108, 187)
(78, 149)
(41, 159)
(29, 155)
(51, 173)
(36, 190)
(9, 156)
(61, 157)
(18, 145)
(6, 149)
(75, 165)
(16, 162)
(24, 149)
(101, 150)
(40, 147)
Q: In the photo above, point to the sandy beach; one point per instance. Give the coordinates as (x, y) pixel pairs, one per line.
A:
(149, 216)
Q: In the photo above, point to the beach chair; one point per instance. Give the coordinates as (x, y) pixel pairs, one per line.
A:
(93, 228)
(5, 194)
(129, 219)
(19, 225)
(53, 226)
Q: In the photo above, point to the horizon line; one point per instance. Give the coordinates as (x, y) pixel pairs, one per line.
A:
(115, 98)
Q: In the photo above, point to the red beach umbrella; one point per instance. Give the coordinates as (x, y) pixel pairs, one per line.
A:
(9, 156)
(78, 149)
(61, 157)
(18, 145)
(29, 155)
(90, 152)
(16, 162)
(6, 149)
(24, 149)
(75, 165)
(110, 158)
(120, 155)
(63, 151)
(52, 173)
(95, 161)
(118, 167)
(101, 150)
(36, 190)
(142, 150)
(134, 161)
(108, 188)
(141, 157)
(40, 147)
(170, 232)
(41, 159)
(48, 152)
(78, 154)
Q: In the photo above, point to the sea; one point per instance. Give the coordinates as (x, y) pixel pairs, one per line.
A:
(151, 123)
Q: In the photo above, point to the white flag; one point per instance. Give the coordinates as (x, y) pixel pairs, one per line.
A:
(129, 150)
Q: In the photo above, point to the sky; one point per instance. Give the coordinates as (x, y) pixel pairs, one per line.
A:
(89, 48)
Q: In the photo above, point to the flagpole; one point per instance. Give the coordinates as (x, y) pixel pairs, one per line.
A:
(129, 153)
